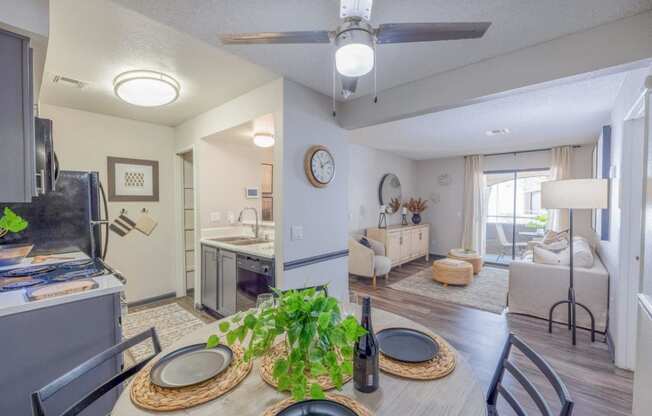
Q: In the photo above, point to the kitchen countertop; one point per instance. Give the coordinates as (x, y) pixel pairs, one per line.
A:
(264, 250)
(15, 301)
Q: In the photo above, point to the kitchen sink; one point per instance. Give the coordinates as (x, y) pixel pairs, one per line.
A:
(249, 241)
(230, 239)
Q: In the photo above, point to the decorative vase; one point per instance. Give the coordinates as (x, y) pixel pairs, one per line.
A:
(416, 218)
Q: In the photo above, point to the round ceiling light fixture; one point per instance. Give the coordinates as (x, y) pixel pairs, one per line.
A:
(354, 54)
(146, 88)
(264, 139)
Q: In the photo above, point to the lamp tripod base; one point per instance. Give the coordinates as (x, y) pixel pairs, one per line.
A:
(572, 315)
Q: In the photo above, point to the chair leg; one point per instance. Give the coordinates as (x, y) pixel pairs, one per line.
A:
(387, 277)
(373, 279)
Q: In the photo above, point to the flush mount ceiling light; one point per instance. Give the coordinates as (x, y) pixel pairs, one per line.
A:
(264, 139)
(146, 88)
(497, 132)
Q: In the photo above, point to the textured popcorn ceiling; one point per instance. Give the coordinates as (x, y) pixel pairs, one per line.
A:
(516, 24)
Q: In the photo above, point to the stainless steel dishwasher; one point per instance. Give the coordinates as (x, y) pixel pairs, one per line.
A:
(255, 276)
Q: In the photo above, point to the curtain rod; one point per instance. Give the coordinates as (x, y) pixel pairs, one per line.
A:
(575, 146)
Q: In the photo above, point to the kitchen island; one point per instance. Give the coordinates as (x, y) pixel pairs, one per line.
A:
(51, 336)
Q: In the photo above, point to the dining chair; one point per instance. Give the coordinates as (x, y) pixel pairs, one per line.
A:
(505, 364)
(40, 396)
(505, 244)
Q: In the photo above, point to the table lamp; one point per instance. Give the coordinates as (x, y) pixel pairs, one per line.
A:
(574, 194)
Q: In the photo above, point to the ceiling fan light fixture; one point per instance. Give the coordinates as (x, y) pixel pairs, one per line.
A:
(354, 56)
(264, 139)
(146, 88)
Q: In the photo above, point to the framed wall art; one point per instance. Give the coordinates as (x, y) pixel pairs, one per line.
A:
(132, 180)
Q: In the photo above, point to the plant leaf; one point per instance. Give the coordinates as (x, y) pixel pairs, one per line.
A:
(212, 342)
(224, 326)
(316, 392)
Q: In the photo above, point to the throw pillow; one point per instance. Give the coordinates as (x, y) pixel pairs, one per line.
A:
(365, 242)
(553, 236)
(543, 256)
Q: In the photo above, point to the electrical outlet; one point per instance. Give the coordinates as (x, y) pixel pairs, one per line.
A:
(296, 232)
(216, 217)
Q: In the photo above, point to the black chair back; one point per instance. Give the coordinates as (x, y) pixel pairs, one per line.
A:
(40, 396)
(505, 364)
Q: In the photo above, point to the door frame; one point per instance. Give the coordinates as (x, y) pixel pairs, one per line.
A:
(515, 173)
(180, 283)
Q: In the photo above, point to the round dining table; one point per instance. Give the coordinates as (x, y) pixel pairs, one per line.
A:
(458, 393)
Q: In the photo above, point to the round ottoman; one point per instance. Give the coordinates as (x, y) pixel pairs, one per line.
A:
(469, 256)
(453, 272)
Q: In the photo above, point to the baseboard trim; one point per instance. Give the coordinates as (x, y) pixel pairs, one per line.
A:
(152, 299)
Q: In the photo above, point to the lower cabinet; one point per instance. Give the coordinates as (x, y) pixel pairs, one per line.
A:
(210, 278)
(403, 243)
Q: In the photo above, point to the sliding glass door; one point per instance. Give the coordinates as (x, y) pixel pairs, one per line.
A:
(514, 216)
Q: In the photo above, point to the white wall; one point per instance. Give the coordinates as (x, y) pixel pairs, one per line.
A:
(322, 212)
(367, 167)
(83, 141)
(610, 250)
(446, 216)
(227, 166)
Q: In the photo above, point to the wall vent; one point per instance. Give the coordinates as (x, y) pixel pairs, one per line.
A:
(71, 82)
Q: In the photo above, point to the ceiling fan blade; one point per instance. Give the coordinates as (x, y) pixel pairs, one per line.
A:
(428, 32)
(317, 36)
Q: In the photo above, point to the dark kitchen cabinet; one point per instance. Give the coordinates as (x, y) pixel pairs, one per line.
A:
(210, 278)
(17, 151)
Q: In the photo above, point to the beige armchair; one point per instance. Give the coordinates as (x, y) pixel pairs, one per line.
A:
(368, 262)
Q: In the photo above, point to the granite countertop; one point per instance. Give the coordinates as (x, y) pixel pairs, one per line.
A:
(265, 250)
(15, 301)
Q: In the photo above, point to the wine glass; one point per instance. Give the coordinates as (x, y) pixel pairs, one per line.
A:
(349, 306)
(264, 301)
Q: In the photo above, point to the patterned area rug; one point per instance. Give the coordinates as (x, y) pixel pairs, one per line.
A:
(488, 291)
(171, 322)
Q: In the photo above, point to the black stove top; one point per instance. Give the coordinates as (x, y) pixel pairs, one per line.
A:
(52, 273)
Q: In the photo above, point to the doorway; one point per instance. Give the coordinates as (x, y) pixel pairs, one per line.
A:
(187, 227)
(514, 216)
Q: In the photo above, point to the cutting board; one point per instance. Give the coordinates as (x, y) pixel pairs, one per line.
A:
(59, 289)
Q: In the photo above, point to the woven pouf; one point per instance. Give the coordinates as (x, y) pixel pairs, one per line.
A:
(452, 272)
(469, 256)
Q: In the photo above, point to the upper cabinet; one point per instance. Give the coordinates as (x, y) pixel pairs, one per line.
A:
(17, 151)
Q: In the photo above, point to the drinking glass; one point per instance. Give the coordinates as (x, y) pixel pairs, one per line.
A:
(264, 301)
(349, 306)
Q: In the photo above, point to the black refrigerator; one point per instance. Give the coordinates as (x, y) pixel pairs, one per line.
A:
(66, 219)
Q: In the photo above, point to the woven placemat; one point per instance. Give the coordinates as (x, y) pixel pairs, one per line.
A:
(152, 397)
(279, 351)
(442, 365)
(357, 408)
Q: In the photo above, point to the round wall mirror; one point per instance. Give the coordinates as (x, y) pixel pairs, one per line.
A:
(390, 188)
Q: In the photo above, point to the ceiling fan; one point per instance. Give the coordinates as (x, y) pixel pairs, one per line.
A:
(355, 39)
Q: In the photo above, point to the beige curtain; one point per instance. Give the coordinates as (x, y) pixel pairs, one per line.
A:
(560, 168)
(474, 204)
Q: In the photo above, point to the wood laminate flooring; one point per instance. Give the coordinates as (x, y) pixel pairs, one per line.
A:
(596, 385)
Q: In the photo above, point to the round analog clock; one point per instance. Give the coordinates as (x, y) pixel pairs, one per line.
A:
(319, 165)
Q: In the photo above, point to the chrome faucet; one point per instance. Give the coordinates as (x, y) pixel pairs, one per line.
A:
(256, 229)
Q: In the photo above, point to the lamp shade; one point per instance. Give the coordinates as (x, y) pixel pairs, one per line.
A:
(575, 194)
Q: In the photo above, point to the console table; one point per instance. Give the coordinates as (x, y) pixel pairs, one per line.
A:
(403, 243)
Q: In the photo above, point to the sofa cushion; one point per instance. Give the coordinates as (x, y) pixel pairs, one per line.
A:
(582, 254)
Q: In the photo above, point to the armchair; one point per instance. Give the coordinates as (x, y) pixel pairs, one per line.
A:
(368, 262)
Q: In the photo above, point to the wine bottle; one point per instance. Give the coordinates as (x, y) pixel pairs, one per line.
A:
(366, 354)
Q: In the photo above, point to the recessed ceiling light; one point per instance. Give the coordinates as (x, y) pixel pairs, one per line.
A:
(146, 88)
(264, 139)
(497, 132)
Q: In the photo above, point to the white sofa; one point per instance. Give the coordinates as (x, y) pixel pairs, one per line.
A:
(535, 287)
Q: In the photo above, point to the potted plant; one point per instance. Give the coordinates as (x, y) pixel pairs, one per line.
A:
(10, 254)
(318, 340)
(394, 205)
(416, 207)
(11, 222)
(539, 223)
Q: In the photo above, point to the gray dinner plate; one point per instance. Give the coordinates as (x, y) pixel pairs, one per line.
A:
(408, 345)
(317, 408)
(190, 365)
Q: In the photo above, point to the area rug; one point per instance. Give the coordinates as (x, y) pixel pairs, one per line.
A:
(171, 322)
(488, 291)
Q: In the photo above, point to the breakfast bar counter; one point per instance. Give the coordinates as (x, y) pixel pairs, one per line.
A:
(456, 394)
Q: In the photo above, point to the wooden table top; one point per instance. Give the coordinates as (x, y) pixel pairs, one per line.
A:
(456, 394)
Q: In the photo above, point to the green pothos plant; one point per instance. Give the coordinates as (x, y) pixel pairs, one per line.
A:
(10, 222)
(319, 341)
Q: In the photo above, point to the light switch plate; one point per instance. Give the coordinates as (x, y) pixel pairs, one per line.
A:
(296, 232)
(216, 217)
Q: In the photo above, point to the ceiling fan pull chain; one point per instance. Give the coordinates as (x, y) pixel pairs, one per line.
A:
(375, 70)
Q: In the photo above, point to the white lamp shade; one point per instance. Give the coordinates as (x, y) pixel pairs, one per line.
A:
(575, 194)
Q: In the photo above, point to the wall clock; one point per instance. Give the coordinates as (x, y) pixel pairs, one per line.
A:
(319, 165)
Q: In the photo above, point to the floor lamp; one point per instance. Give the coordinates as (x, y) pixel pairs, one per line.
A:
(574, 194)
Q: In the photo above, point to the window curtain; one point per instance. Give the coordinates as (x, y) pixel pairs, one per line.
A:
(474, 205)
(560, 168)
